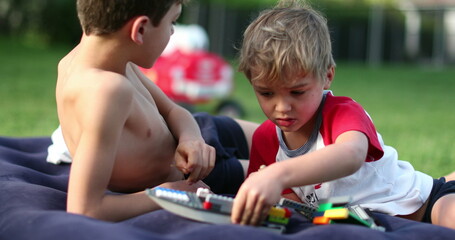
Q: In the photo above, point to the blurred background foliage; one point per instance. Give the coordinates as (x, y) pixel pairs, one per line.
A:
(40, 22)
(373, 31)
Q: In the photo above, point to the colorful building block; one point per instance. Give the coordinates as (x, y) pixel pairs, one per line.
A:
(338, 210)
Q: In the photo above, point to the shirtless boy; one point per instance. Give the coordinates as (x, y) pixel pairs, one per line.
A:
(123, 133)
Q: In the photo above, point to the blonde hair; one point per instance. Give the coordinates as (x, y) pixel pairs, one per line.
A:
(286, 41)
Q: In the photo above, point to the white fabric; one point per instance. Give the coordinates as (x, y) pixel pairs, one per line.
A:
(387, 185)
(57, 152)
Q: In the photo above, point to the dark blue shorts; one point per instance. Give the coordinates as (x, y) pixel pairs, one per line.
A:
(440, 189)
(228, 138)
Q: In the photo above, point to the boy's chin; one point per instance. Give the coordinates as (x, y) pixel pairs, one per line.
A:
(147, 66)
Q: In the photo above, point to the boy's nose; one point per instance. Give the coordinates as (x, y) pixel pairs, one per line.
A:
(282, 105)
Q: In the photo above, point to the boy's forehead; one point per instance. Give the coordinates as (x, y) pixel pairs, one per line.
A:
(285, 82)
(288, 75)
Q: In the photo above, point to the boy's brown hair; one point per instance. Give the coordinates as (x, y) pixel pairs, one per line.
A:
(107, 16)
(286, 41)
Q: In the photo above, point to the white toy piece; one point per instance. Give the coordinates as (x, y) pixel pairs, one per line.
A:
(207, 207)
(189, 205)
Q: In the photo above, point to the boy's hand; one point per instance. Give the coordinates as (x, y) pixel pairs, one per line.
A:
(255, 198)
(195, 158)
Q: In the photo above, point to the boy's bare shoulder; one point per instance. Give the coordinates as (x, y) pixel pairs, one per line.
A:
(87, 91)
(97, 82)
(103, 89)
(75, 76)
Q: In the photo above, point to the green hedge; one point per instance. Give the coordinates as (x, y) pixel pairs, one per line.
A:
(45, 21)
(50, 21)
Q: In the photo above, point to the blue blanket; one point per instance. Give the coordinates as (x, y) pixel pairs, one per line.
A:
(33, 199)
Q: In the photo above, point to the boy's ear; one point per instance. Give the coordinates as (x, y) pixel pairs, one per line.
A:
(138, 28)
(330, 74)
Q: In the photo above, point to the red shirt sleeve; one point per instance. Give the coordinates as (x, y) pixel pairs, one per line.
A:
(342, 114)
(264, 148)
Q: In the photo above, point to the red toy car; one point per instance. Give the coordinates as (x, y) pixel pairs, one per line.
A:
(195, 77)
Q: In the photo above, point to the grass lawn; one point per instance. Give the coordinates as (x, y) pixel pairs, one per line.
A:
(410, 105)
(27, 86)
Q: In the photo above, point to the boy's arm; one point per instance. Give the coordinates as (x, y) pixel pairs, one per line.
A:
(101, 125)
(193, 155)
(261, 190)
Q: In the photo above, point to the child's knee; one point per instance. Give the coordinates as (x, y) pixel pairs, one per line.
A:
(450, 177)
(248, 129)
(443, 212)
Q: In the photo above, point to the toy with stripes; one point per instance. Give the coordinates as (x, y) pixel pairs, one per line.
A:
(304, 209)
(205, 206)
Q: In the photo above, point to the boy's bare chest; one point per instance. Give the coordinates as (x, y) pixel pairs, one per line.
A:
(145, 120)
(148, 147)
(149, 144)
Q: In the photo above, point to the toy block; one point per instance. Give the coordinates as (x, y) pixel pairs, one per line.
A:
(302, 208)
(337, 213)
(220, 203)
(288, 213)
(207, 207)
(337, 210)
(277, 212)
(324, 206)
(321, 220)
(318, 214)
(278, 220)
(352, 219)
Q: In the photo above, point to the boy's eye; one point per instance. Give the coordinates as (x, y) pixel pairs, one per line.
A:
(297, 92)
(266, 94)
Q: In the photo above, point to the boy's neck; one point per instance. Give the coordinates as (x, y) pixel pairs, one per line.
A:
(105, 53)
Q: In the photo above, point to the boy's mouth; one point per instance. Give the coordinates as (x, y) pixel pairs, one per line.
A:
(284, 122)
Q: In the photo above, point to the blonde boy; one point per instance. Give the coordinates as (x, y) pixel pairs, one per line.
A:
(317, 145)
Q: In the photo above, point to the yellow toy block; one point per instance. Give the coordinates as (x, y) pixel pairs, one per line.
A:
(337, 213)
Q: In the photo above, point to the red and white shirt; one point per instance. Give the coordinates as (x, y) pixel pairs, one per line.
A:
(383, 183)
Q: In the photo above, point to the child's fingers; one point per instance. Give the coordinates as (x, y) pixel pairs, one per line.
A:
(194, 164)
(238, 208)
(202, 162)
(260, 213)
(209, 159)
(194, 175)
(249, 210)
(181, 164)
